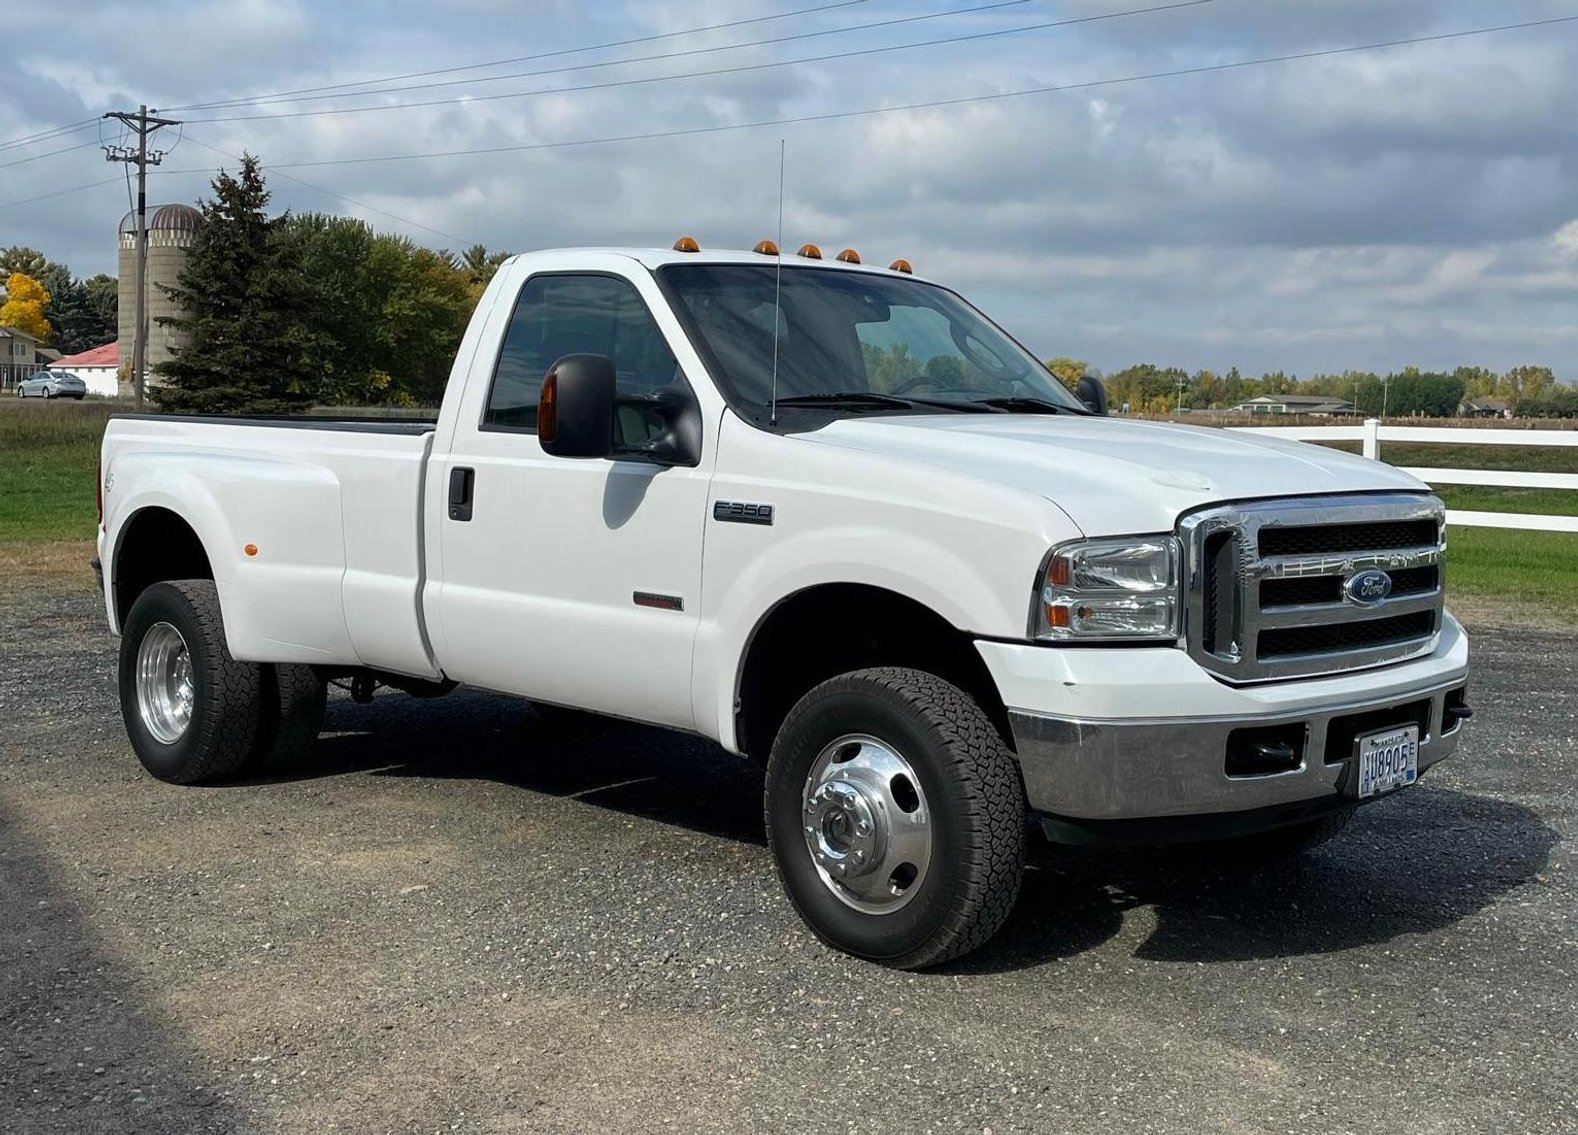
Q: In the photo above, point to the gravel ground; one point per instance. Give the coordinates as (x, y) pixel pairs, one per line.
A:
(460, 917)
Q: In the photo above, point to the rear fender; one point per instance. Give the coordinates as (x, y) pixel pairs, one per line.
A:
(273, 534)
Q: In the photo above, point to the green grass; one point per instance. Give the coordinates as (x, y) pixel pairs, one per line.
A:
(1509, 575)
(1430, 455)
(1490, 498)
(49, 459)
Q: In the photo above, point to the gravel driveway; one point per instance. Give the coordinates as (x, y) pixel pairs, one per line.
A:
(461, 917)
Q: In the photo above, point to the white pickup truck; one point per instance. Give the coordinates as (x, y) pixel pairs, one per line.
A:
(833, 518)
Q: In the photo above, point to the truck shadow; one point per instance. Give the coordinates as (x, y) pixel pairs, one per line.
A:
(634, 769)
(86, 1048)
(1419, 862)
(1411, 865)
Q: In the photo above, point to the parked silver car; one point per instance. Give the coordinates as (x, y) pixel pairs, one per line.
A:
(52, 384)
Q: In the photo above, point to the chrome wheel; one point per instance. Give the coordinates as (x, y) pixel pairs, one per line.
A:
(866, 824)
(164, 683)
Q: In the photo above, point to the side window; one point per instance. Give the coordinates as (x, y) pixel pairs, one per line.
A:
(565, 315)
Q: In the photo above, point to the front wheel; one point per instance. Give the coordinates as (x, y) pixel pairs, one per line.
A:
(897, 817)
(191, 710)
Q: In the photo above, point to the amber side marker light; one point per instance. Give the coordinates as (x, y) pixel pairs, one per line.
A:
(766, 248)
(686, 244)
(849, 256)
(902, 265)
(810, 252)
(251, 549)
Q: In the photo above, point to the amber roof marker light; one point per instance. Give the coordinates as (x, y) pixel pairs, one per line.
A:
(810, 251)
(849, 256)
(766, 248)
(686, 244)
(902, 265)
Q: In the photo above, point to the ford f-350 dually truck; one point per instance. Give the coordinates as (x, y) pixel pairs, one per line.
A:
(833, 518)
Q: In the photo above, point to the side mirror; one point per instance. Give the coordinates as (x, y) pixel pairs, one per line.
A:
(1093, 393)
(575, 414)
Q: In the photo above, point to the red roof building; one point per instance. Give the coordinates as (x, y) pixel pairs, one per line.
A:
(106, 356)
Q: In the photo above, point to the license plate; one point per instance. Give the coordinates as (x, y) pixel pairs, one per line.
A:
(1388, 761)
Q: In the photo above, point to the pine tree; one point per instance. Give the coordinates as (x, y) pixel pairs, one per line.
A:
(246, 318)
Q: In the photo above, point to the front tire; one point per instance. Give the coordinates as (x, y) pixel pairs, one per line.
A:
(897, 817)
(192, 711)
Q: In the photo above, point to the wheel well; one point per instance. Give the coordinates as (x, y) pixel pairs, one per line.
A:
(155, 545)
(832, 629)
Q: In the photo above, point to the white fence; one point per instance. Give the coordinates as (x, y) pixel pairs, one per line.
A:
(1370, 434)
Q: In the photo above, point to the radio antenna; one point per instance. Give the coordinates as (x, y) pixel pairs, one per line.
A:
(778, 284)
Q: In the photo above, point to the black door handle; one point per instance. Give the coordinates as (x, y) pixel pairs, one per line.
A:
(462, 482)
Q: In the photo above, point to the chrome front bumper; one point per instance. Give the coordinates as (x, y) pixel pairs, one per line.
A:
(1089, 772)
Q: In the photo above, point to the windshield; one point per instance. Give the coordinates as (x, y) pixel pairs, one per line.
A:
(853, 333)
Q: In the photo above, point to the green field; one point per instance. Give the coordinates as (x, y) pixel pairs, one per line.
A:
(49, 454)
(49, 458)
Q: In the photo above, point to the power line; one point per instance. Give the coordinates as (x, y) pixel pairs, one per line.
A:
(285, 96)
(63, 192)
(48, 135)
(339, 196)
(741, 69)
(935, 103)
(891, 22)
(51, 153)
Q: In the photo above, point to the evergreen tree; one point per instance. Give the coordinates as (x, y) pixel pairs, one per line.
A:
(84, 314)
(246, 317)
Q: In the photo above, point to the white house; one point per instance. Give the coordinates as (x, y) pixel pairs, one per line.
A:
(99, 367)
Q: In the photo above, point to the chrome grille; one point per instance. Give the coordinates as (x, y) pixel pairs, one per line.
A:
(1265, 582)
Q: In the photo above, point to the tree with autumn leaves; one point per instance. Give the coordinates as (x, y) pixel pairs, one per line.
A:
(25, 301)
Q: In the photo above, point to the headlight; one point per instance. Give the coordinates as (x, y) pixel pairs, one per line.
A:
(1112, 589)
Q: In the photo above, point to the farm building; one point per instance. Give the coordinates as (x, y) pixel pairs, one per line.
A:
(99, 367)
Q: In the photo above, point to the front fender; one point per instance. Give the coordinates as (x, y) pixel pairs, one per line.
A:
(925, 570)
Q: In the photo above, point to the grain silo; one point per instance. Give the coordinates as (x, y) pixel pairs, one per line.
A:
(171, 229)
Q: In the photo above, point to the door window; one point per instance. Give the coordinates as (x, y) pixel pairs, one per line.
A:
(579, 314)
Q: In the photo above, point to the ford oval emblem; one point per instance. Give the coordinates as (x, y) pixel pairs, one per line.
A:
(1368, 588)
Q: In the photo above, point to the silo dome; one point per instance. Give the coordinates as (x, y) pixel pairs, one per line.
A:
(165, 218)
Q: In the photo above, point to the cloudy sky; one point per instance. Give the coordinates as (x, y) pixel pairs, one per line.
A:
(1417, 204)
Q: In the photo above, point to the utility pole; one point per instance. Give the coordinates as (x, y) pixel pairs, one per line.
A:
(142, 125)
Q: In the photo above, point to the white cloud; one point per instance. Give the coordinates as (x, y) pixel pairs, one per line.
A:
(1405, 206)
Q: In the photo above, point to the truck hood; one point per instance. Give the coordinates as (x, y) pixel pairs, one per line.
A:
(1115, 476)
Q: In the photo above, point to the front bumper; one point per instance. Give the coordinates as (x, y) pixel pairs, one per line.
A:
(1087, 763)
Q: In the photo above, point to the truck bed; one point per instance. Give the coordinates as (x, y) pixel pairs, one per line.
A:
(409, 427)
(312, 527)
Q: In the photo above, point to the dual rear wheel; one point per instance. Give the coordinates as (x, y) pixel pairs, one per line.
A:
(194, 713)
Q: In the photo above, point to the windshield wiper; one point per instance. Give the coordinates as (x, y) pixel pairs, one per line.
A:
(871, 399)
(1024, 404)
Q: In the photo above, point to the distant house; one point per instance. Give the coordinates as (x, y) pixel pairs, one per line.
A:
(1318, 405)
(99, 367)
(1485, 408)
(18, 356)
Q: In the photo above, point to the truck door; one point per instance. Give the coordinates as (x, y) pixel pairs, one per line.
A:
(575, 582)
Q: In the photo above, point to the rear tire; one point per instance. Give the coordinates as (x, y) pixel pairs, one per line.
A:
(192, 711)
(950, 888)
(294, 699)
